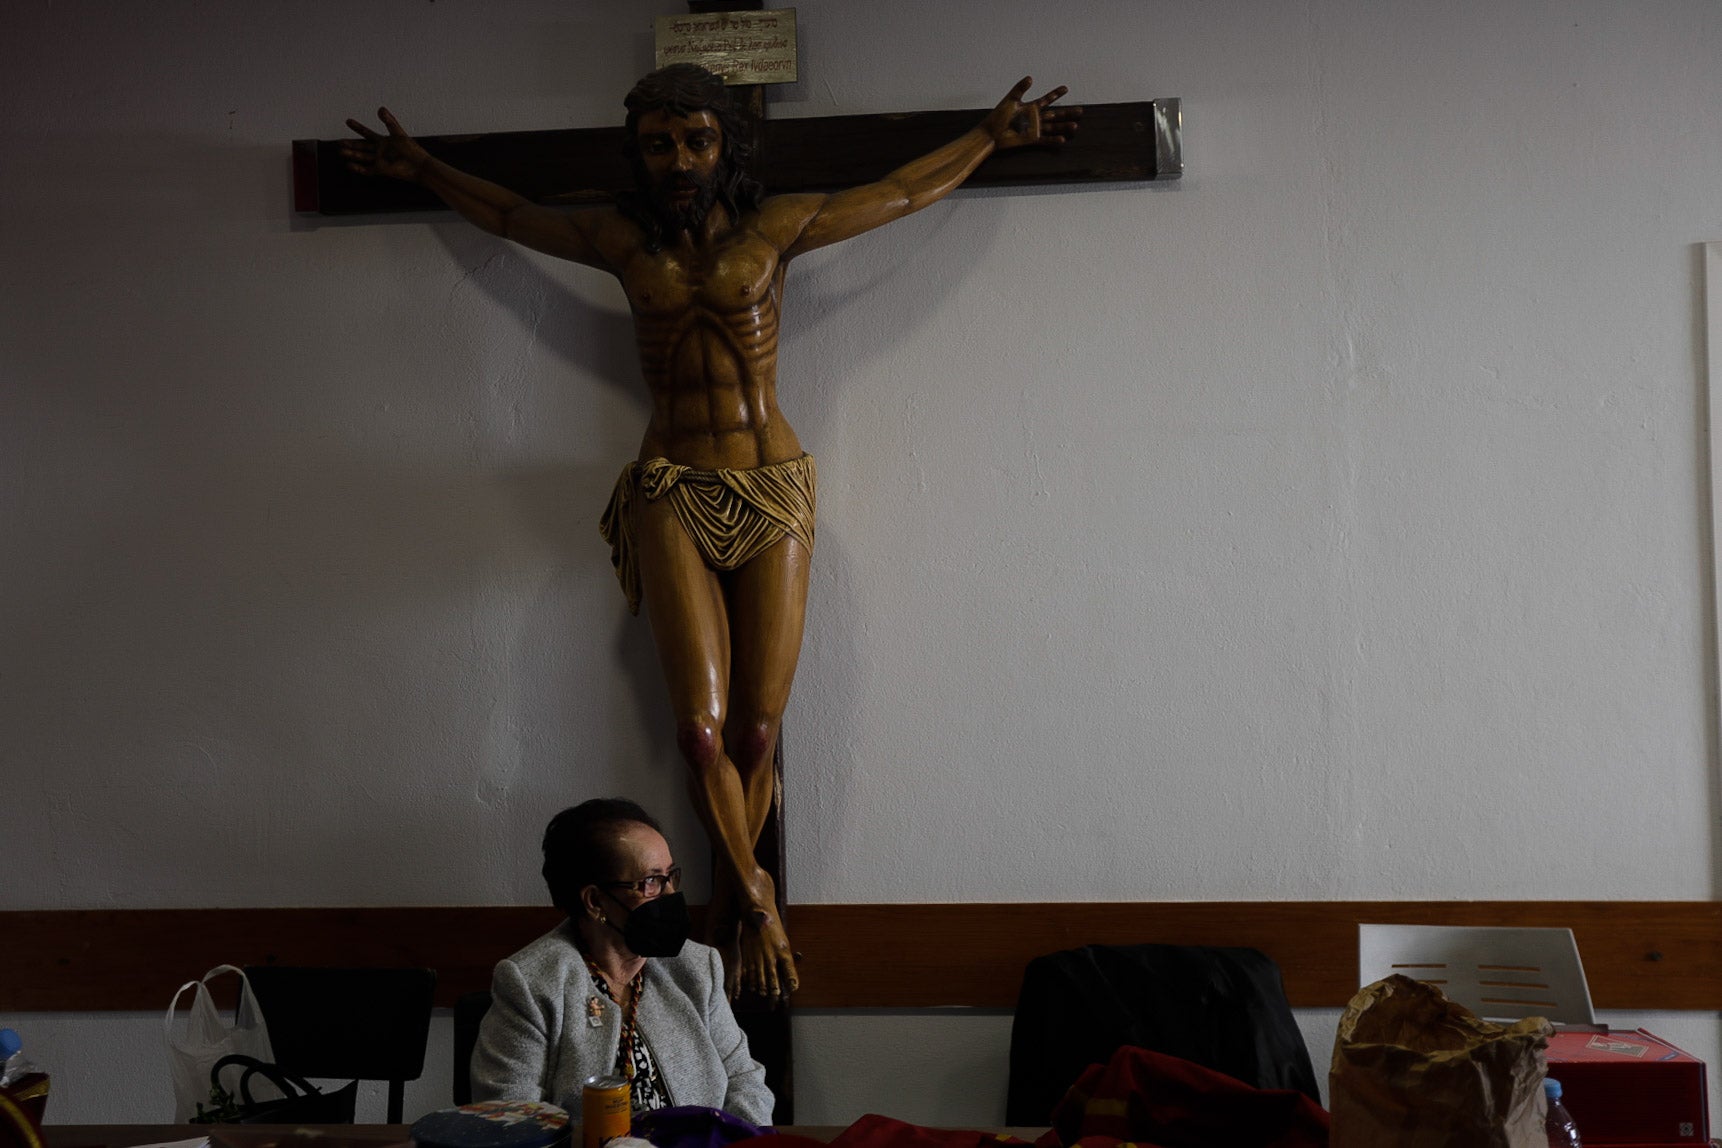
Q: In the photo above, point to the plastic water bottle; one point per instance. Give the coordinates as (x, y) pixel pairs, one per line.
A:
(1562, 1132)
(13, 1066)
(26, 1084)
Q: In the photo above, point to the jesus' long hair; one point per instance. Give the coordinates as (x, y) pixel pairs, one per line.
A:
(682, 89)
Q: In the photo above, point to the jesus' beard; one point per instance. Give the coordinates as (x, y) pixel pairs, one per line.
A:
(690, 216)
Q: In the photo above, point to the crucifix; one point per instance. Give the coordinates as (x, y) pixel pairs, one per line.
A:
(711, 527)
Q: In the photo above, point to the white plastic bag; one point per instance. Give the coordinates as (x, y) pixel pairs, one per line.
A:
(207, 1038)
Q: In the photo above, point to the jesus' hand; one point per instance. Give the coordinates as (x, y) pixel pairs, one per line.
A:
(1017, 124)
(397, 154)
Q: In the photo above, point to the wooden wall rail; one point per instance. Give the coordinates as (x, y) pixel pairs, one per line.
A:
(1638, 954)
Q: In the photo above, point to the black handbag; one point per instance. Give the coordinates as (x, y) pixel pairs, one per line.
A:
(301, 1102)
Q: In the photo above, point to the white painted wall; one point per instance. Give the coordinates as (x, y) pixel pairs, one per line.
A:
(1332, 523)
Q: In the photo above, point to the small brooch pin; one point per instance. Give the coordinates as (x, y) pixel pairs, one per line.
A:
(594, 1011)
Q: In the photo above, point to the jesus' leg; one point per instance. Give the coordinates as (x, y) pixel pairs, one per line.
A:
(767, 604)
(690, 626)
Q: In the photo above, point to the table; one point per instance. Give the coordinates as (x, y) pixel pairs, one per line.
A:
(237, 1135)
(267, 1135)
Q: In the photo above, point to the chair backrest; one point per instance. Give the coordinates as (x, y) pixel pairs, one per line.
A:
(1498, 973)
(363, 1024)
(469, 1010)
(1222, 1008)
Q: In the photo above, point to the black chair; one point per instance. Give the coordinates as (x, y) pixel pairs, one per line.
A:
(362, 1024)
(1222, 1008)
(469, 1010)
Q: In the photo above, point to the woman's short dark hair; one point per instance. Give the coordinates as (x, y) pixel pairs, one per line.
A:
(580, 846)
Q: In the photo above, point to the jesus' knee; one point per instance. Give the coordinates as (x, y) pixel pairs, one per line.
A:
(700, 743)
(751, 741)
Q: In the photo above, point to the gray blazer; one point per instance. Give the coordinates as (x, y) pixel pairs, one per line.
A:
(536, 1042)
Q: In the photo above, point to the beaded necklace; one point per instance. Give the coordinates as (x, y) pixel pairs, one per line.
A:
(630, 1010)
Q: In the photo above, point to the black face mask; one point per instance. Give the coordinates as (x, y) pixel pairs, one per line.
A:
(656, 928)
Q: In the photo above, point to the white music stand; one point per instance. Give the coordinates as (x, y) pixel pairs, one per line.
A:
(1501, 974)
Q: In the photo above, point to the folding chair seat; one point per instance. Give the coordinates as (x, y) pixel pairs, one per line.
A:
(1499, 973)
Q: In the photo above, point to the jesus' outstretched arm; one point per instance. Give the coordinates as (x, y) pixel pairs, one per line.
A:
(811, 221)
(566, 234)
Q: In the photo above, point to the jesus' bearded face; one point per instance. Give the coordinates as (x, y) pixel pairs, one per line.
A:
(683, 158)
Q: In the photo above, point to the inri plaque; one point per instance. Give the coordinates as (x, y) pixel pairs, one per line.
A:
(742, 47)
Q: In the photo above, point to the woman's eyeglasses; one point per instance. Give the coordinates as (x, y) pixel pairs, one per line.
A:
(653, 884)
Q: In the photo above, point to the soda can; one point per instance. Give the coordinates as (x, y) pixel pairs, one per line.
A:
(605, 1111)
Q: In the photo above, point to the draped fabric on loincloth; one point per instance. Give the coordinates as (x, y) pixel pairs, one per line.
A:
(731, 515)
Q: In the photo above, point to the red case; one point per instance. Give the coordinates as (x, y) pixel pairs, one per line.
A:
(1630, 1089)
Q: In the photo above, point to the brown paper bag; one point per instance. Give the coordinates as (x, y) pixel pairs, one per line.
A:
(1412, 1069)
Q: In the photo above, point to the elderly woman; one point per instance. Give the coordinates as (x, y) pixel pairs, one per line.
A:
(617, 988)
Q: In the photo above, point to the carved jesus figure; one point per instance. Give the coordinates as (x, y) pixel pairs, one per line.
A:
(712, 526)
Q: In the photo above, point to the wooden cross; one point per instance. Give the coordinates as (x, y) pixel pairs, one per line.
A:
(1117, 142)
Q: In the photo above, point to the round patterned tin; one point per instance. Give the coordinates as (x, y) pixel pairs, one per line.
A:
(493, 1124)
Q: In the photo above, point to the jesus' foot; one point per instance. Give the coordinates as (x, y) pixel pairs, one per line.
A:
(767, 963)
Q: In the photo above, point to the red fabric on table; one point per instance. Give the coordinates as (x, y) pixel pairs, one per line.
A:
(1159, 1101)
(1141, 1098)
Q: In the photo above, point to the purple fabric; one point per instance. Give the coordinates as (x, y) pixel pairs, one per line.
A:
(692, 1127)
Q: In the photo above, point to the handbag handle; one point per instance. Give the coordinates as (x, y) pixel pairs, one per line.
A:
(274, 1074)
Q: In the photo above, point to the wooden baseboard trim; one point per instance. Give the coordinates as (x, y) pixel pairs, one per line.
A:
(1641, 955)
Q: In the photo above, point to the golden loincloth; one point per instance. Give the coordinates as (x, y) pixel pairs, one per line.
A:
(731, 515)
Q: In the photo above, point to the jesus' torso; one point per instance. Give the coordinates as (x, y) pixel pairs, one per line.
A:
(706, 318)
